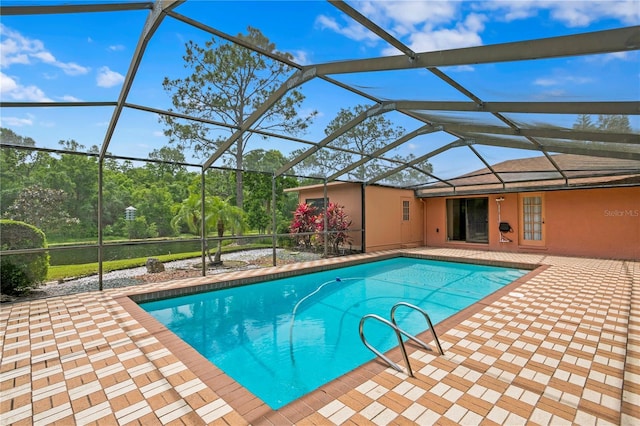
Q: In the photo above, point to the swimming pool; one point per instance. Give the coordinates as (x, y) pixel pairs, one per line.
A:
(284, 338)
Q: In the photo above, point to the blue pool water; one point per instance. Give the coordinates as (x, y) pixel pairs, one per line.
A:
(284, 338)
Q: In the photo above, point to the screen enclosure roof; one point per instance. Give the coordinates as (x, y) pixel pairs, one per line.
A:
(506, 107)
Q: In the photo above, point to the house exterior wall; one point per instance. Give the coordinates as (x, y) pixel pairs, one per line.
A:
(384, 224)
(601, 223)
(344, 194)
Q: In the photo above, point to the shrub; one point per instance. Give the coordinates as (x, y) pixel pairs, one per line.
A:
(338, 223)
(140, 229)
(304, 221)
(21, 272)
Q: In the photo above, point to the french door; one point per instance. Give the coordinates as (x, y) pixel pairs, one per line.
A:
(532, 219)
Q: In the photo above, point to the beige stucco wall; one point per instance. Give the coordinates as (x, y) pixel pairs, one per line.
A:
(601, 223)
(385, 227)
(348, 195)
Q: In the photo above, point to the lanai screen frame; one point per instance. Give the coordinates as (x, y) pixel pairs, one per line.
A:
(624, 146)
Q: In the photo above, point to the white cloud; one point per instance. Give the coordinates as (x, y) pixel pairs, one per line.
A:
(18, 49)
(16, 121)
(446, 24)
(429, 39)
(13, 90)
(461, 68)
(426, 26)
(562, 80)
(402, 17)
(71, 68)
(108, 78)
(116, 47)
(608, 57)
(351, 30)
(545, 82)
(575, 13)
(300, 57)
(69, 98)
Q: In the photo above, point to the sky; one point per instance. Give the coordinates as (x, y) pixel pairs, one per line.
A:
(85, 57)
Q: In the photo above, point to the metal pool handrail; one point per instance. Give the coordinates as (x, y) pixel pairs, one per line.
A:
(380, 354)
(426, 317)
(399, 332)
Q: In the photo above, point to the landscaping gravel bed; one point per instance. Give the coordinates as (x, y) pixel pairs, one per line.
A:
(239, 260)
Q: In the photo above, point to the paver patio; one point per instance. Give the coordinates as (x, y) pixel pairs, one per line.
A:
(561, 348)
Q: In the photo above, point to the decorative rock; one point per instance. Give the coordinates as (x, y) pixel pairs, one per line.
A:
(5, 298)
(154, 266)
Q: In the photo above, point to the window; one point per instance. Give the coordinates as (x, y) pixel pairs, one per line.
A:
(318, 203)
(467, 220)
(532, 214)
(405, 210)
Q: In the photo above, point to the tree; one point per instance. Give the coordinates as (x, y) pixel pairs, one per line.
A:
(154, 203)
(42, 208)
(17, 165)
(218, 214)
(606, 123)
(614, 123)
(139, 228)
(584, 122)
(77, 175)
(259, 186)
(227, 83)
(225, 216)
(169, 162)
(188, 214)
(372, 134)
(257, 217)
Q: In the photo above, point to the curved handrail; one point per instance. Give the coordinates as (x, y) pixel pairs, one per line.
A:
(380, 354)
(410, 336)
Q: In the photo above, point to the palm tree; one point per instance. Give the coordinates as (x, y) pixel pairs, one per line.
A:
(218, 213)
(223, 215)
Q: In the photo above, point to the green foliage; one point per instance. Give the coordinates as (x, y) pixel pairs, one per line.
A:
(154, 203)
(21, 272)
(259, 187)
(57, 192)
(218, 215)
(139, 228)
(43, 208)
(257, 216)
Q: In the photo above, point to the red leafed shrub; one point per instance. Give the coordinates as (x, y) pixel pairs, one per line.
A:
(338, 224)
(304, 223)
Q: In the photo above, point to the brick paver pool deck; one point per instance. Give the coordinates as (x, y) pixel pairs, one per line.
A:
(563, 347)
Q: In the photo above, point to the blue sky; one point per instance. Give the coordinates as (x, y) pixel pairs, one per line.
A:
(84, 57)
